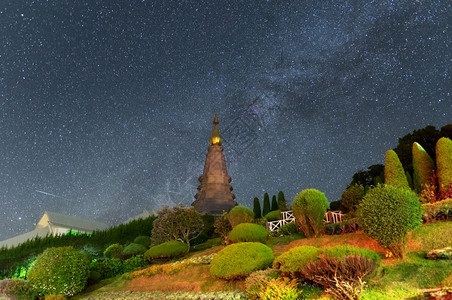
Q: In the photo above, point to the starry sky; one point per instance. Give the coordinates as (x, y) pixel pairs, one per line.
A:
(106, 107)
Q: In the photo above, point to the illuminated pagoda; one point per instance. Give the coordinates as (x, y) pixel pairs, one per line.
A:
(215, 191)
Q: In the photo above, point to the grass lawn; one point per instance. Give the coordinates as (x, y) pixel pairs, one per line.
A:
(397, 279)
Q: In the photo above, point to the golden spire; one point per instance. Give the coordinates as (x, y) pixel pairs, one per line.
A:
(215, 138)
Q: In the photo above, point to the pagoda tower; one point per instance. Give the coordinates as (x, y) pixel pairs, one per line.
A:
(215, 191)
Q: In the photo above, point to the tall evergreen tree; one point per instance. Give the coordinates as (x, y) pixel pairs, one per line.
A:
(274, 203)
(257, 208)
(423, 167)
(282, 205)
(444, 164)
(394, 173)
(266, 208)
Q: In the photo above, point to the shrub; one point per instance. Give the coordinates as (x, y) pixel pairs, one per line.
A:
(444, 164)
(340, 277)
(257, 281)
(248, 232)
(388, 213)
(342, 251)
(135, 262)
(223, 227)
(16, 289)
(352, 197)
(60, 270)
(241, 259)
(436, 211)
(423, 167)
(143, 240)
(435, 254)
(108, 268)
(282, 205)
(288, 229)
(273, 216)
(280, 289)
(394, 173)
(55, 297)
(274, 203)
(134, 249)
(166, 250)
(292, 262)
(240, 214)
(114, 251)
(309, 208)
(266, 207)
(257, 208)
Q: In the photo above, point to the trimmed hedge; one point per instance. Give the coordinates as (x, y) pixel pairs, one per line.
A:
(240, 214)
(60, 270)
(134, 249)
(274, 215)
(423, 167)
(394, 172)
(292, 262)
(166, 250)
(341, 251)
(444, 164)
(241, 259)
(248, 232)
(114, 251)
(143, 240)
(388, 213)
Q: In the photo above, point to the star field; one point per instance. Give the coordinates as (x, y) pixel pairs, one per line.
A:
(106, 108)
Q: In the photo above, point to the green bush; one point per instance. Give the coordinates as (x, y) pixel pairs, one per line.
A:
(134, 249)
(281, 289)
(166, 250)
(257, 281)
(388, 213)
(341, 251)
(240, 214)
(351, 198)
(309, 208)
(60, 270)
(114, 251)
(16, 289)
(394, 172)
(143, 240)
(273, 215)
(288, 229)
(292, 262)
(444, 164)
(248, 232)
(55, 297)
(135, 262)
(241, 259)
(438, 210)
(423, 167)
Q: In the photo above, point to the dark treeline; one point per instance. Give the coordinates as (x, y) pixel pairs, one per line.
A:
(10, 258)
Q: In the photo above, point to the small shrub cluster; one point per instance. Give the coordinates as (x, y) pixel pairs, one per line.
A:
(441, 210)
(143, 240)
(309, 208)
(60, 270)
(288, 229)
(351, 198)
(257, 281)
(166, 250)
(248, 232)
(281, 289)
(114, 251)
(223, 227)
(16, 289)
(106, 268)
(445, 253)
(274, 215)
(241, 259)
(134, 249)
(292, 262)
(240, 214)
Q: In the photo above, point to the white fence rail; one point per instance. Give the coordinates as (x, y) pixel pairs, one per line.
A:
(288, 217)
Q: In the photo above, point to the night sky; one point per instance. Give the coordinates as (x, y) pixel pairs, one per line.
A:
(107, 108)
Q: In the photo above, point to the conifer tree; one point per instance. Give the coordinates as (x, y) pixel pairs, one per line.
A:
(282, 206)
(257, 208)
(266, 208)
(444, 164)
(409, 179)
(274, 203)
(423, 167)
(394, 173)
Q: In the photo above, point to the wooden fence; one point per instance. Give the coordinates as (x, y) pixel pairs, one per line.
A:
(288, 217)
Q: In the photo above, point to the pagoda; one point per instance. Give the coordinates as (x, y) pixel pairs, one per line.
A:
(215, 191)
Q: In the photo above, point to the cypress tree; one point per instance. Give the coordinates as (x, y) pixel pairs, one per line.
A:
(423, 167)
(266, 208)
(282, 206)
(444, 164)
(257, 208)
(394, 173)
(409, 180)
(274, 203)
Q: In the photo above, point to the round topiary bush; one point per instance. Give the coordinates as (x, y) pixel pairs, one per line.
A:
(166, 250)
(273, 216)
(134, 249)
(388, 213)
(60, 270)
(143, 240)
(248, 232)
(292, 262)
(309, 208)
(241, 259)
(240, 214)
(114, 251)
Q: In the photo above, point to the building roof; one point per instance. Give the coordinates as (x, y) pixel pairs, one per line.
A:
(72, 222)
(21, 238)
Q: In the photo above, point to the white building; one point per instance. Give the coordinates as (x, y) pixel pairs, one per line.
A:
(52, 223)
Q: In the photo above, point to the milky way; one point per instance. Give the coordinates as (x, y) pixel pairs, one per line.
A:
(106, 108)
